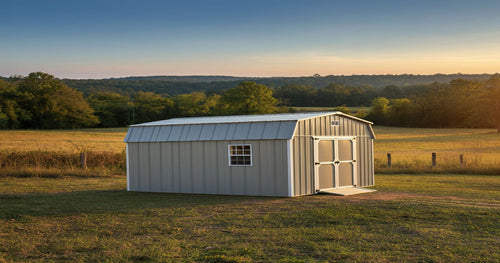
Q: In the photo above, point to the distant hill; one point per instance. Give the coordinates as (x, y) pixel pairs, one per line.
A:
(173, 85)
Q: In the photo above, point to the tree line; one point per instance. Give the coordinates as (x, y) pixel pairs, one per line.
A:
(461, 103)
(41, 101)
(175, 85)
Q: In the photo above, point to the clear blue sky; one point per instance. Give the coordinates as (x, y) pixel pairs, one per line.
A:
(115, 38)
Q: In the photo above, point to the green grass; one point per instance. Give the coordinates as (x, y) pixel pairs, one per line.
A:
(425, 218)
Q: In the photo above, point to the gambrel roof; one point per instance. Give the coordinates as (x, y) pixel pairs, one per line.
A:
(241, 127)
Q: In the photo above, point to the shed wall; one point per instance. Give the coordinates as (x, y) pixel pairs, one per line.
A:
(202, 167)
(303, 149)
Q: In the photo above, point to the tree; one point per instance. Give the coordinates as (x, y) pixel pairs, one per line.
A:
(379, 110)
(112, 109)
(248, 98)
(195, 104)
(332, 95)
(401, 112)
(343, 109)
(149, 106)
(52, 104)
(492, 101)
(296, 95)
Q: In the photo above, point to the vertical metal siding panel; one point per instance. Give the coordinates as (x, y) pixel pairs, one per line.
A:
(176, 167)
(372, 170)
(296, 166)
(306, 155)
(362, 161)
(268, 164)
(166, 167)
(224, 178)
(363, 157)
(210, 168)
(368, 161)
(252, 177)
(155, 166)
(308, 162)
(185, 167)
(335, 128)
(303, 160)
(281, 168)
(197, 163)
(134, 173)
(144, 171)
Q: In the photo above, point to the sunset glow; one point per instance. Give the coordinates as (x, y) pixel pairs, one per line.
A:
(103, 39)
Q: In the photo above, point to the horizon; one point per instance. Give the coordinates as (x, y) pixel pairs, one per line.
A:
(117, 39)
(251, 77)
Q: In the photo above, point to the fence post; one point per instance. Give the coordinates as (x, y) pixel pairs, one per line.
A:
(83, 160)
(389, 160)
(433, 159)
(461, 160)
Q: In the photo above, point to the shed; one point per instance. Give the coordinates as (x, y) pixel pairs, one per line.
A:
(288, 154)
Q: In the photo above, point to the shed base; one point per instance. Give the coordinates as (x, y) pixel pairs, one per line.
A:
(347, 191)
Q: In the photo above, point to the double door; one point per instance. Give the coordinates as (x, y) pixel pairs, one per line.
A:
(334, 162)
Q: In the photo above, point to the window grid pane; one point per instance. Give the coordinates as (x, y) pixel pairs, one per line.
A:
(240, 155)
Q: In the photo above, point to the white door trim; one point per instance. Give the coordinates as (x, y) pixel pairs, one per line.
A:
(335, 163)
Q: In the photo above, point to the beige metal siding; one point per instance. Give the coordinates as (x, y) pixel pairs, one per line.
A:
(202, 167)
(303, 148)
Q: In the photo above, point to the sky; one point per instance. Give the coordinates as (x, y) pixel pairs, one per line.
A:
(117, 38)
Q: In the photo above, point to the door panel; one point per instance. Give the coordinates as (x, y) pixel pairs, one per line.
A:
(326, 151)
(326, 176)
(345, 174)
(345, 150)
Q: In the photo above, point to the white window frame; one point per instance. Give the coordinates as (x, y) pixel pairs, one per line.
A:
(229, 154)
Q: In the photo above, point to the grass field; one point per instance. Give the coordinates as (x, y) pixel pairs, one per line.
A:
(411, 150)
(417, 218)
(52, 153)
(56, 216)
(96, 140)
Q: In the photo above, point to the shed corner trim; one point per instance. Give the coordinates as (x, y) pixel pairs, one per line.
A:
(289, 149)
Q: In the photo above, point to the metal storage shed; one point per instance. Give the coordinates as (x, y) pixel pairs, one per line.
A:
(289, 154)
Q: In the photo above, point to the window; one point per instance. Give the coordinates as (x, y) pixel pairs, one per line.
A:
(240, 155)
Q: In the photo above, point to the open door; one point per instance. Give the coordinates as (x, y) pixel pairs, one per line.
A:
(334, 162)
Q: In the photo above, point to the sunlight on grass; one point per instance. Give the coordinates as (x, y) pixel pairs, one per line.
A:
(63, 140)
(411, 149)
(424, 218)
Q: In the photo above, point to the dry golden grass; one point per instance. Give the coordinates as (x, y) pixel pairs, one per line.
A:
(96, 140)
(411, 149)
